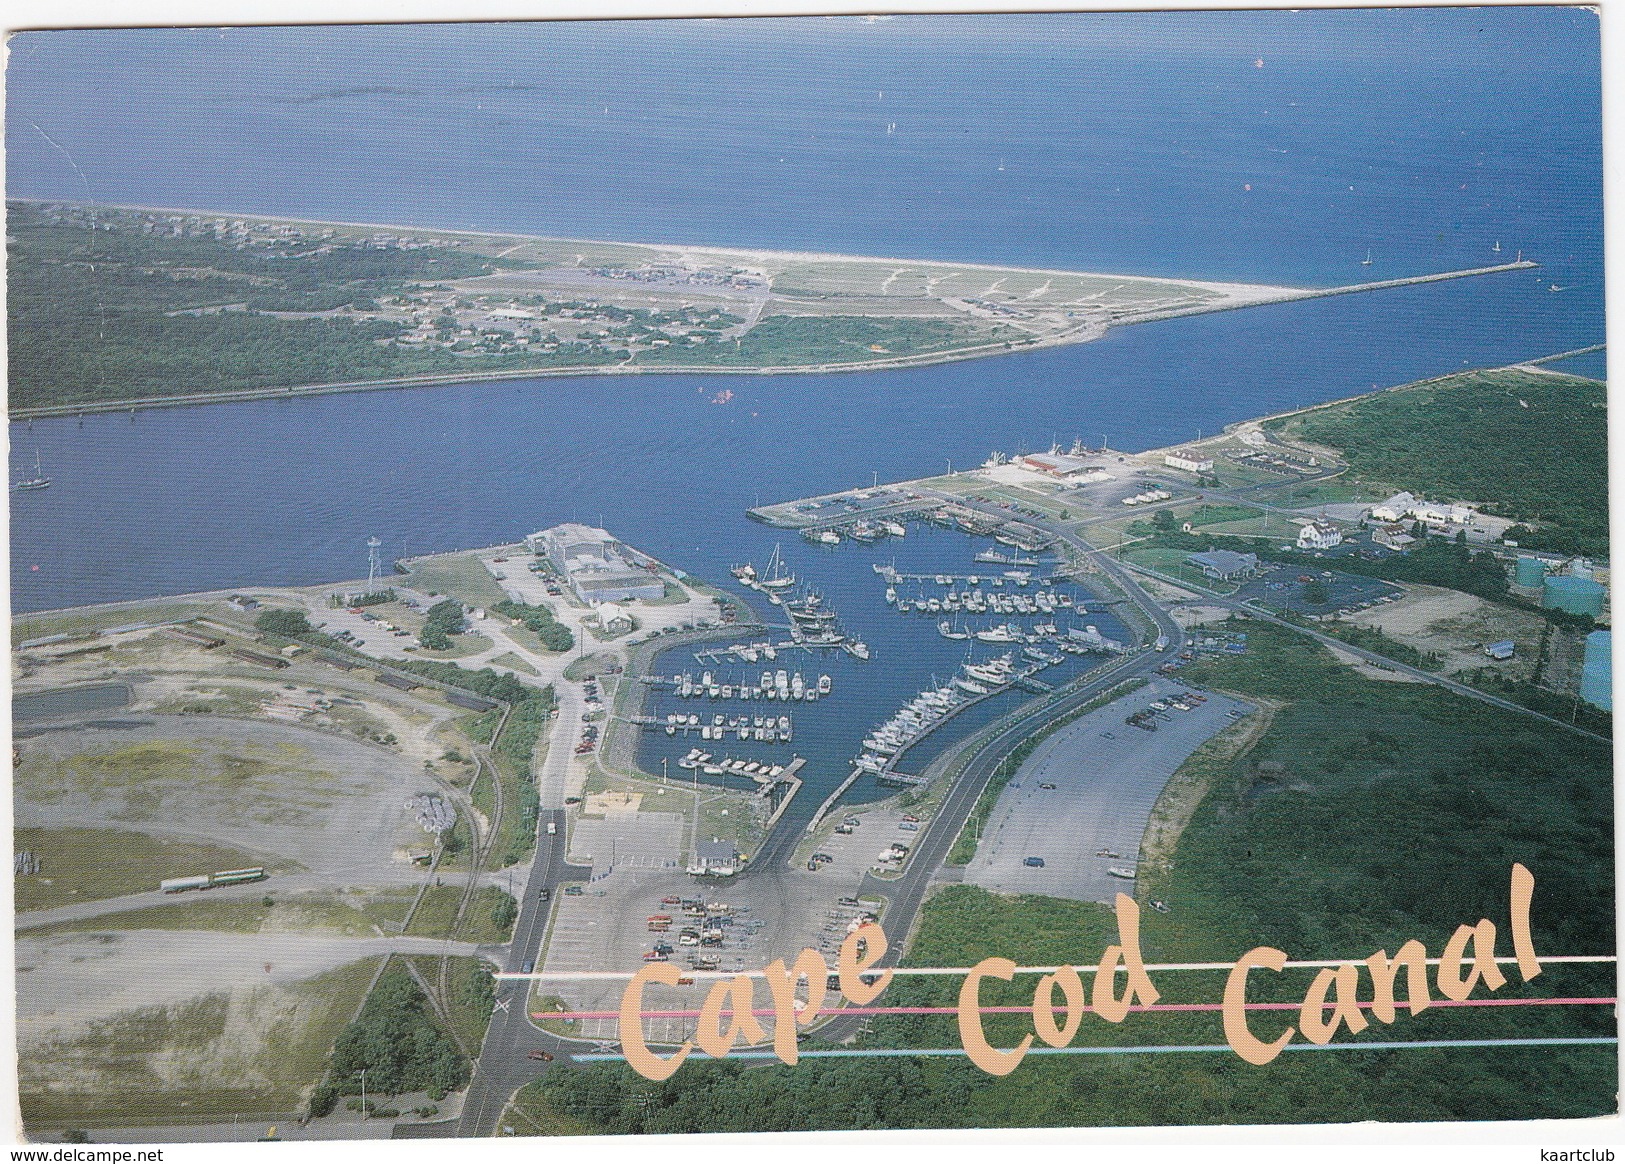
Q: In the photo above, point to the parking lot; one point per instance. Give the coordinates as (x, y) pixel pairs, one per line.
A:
(616, 921)
(1080, 803)
(1283, 588)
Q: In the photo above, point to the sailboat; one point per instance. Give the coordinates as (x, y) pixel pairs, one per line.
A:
(38, 481)
(1497, 247)
(775, 578)
(1366, 262)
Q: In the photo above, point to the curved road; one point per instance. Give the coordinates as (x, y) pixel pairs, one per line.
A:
(504, 1064)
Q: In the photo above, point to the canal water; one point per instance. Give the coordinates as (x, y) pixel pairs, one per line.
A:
(1251, 147)
(909, 655)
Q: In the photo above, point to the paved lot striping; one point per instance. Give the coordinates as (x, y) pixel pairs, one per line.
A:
(1107, 776)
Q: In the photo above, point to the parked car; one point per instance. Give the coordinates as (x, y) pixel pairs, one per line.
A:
(542, 1056)
(1034, 862)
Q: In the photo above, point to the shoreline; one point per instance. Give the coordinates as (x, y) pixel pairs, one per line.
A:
(220, 594)
(1087, 332)
(756, 253)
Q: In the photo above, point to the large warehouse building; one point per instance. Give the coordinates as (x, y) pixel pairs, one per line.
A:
(598, 567)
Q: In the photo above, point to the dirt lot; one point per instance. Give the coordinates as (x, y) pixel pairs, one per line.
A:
(321, 801)
(234, 1038)
(1456, 626)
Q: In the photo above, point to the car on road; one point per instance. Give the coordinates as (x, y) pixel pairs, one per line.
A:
(529, 967)
(543, 893)
(541, 1056)
(1033, 862)
(1047, 787)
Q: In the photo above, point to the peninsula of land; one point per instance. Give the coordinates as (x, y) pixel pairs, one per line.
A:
(118, 307)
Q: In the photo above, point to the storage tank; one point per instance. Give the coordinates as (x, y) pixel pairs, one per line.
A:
(1574, 595)
(1597, 673)
(1531, 571)
(180, 884)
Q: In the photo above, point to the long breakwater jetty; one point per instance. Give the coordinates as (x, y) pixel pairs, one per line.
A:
(1323, 292)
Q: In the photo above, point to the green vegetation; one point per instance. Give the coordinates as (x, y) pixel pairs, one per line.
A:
(1219, 514)
(99, 314)
(1373, 639)
(236, 915)
(529, 711)
(286, 623)
(461, 575)
(1367, 814)
(489, 917)
(1528, 446)
(398, 1043)
(538, 619)
(1435, 561)
(471, 991)
(794, 340)
(128, 1069)
(445, 619)
(94, 864)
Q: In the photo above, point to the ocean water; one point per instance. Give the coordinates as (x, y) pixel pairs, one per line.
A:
(1252, 147)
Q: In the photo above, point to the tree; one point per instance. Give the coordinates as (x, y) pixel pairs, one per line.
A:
(1314, 593)
(1164, 521)
(287, 623)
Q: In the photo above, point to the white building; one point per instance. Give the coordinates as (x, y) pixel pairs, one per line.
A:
(1188, 459)
(1319, 535)
(1396, 508)
(1393, 536)
(1407, 506)
(599, 568)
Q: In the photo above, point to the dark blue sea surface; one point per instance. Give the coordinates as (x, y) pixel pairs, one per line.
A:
(1266, 147)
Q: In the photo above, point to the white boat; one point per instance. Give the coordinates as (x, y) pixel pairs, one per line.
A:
(947, 631)
(775, 577)
(998, 634)
(895, 528)
(38, 481)
(859, 649)
(824, 684)
(1122, 871)
(1366, 262)
(829, 538)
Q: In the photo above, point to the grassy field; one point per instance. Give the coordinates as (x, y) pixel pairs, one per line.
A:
(457, 576)
(37, 626)
(302, 914)
(95, 864)
(436, 916)
(463, 645)
(250, 1053)
(513, 663)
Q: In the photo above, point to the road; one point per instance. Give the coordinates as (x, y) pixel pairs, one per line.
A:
(503, 1065)
(1372, 656)
(906, 894)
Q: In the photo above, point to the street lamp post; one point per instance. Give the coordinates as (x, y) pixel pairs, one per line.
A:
(363, 1095)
